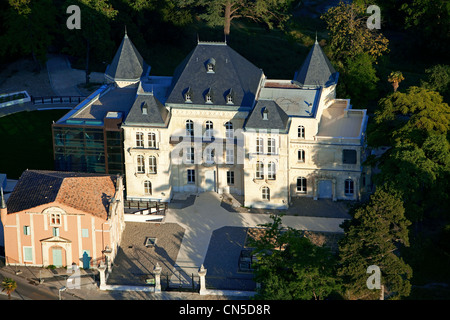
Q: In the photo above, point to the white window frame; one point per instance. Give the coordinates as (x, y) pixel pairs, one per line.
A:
(139, 140)
(191, 176)
(140, 164)
(210, 155)
(25, 255)
(152, 165)
(56, 231)
(259, 145)
(259, 170)
(271, 171)
(301, 132)
(26, 230)
(301, 155)
(271, 143)
(209, 127)
(152, 140)
(229, 132)
(230, 177)
(265, 193)
(229, 156)
(55, 219)
(189, 128)
(147, 187)
(303, 188)
(349, 187)
(85, 233)
(190, 155)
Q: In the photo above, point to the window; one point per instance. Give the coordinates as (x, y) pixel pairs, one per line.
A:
(229, 130)
(28, 254)
(209, 129)
(230, 177)
(210, 152)
(208, 98)
(151, 140)
(301, 155)
(55, 219)
(139, 139)
(259, 170)
(349, 187)
(189, 128)
(301, 185)
(229, 158)
(152, 164)
(265, 114)
(349, 156)
(271, 146)
(188, 95)
(147, 187)
(301, 132)
(140, 164)
(271, 175)
(191, 176)
(56, 232)
(150, 242)
(85, 233)
(26, 230)
(229, 99)
(259, 145)
(190, 155)
(266, 193)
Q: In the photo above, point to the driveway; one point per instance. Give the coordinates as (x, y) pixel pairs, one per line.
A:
(200, 220)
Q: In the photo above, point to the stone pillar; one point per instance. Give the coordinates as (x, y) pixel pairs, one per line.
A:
(107, 253)
(102, 269)
(157, 272)
(202, 275)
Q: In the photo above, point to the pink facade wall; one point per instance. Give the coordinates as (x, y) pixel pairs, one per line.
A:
(71, 239)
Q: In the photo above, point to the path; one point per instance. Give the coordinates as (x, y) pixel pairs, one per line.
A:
(206, 215)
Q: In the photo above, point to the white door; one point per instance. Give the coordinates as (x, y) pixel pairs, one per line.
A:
(210, 180)
(325, 189)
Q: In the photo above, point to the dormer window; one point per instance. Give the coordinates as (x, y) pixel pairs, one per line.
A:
(211, 65)
(144, 108)
(265, 114)
(188, 95)
(208, 97)
(229, 97)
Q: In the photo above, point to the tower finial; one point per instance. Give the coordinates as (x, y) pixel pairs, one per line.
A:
(126, 35)
(316, 36)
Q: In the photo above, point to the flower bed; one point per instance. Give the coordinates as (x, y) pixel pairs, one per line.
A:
(14, 98)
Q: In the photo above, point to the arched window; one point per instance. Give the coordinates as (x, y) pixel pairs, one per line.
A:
(301, 155)
(301, 132)
(152, 164)
(139, 139)
(349, 187)
(259, 170)
(301, 185)
(229, 130)
(152, 140)
(140, 164)
(209, 129)
(189, 128)
(271, 171)
(265, 193)
(147, 187)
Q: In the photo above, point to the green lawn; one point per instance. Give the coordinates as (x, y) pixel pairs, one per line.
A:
(26, 141)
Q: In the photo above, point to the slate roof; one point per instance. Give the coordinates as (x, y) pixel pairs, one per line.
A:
(157, 114)
(277, 119)
(83, 191)
(231, 72)
(127, 64)
(316, 70)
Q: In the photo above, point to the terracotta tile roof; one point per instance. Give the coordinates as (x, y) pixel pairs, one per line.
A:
(87, 192)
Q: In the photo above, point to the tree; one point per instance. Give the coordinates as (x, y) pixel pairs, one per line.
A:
(359, 78)
(94, 35)
(27, 25)
(9, 285)
(438, 79)
(395, 77)
(290, 266)
(371, 238)
(222, 12)
(349, 35)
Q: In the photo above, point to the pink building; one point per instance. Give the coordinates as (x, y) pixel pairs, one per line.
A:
(61, 218)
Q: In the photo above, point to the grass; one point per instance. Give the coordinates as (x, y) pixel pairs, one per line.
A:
(26, 141)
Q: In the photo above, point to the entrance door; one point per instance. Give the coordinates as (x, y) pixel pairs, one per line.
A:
(325, 189)
(210, 180)
(57, 257)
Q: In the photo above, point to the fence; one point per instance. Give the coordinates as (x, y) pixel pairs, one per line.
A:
(57, 100)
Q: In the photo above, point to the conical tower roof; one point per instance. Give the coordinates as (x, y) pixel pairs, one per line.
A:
(127, 64)
(317, 70)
